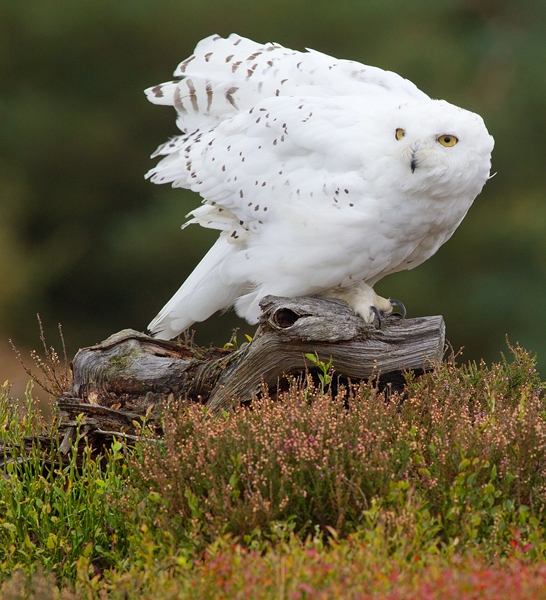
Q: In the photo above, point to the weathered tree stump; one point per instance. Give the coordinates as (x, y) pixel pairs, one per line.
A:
(125, 380)
(131, 371)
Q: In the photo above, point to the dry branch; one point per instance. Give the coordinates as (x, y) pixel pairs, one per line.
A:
(132, 371)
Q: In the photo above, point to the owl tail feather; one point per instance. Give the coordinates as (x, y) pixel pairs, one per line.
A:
(200, 296)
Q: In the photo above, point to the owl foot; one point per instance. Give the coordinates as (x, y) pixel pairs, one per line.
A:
(366, 303)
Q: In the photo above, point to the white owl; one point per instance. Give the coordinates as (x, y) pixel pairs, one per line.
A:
(322, 175)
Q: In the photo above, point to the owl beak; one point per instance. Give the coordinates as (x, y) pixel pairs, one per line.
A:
(413, 161)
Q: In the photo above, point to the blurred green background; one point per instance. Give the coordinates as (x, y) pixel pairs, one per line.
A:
(87, 242)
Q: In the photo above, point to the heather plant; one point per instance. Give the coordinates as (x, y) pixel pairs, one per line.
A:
(439, 488)
(465, 449)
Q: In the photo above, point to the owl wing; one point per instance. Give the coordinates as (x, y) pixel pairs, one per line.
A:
(282, 152)
(226, 76)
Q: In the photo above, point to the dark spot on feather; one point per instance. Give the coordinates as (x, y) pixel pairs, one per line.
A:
(257, 207)
(241, 195)
(237, 42)
(351, 204)
(193, 96)
(223, 167)
(235, 66)
(264, 184)
(229, 96)
(158, 91)
(346, 191)
(209, 96)
(183, 65)
(228, 58)
(178, 104)
(207, 56)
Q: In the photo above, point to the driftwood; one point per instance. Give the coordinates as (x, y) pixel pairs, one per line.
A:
(123, 382)
(131, 371)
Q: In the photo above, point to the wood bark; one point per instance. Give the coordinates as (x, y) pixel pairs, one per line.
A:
(125, 380)
(131, 371)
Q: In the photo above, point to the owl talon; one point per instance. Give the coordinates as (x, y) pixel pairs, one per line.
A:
(397, 304)
(378, 316)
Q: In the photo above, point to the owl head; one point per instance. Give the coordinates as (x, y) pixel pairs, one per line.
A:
(437, 149)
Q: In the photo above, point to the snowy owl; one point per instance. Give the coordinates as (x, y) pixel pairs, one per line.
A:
(322, 175)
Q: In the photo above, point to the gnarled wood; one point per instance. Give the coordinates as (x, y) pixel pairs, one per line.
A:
(132, 371)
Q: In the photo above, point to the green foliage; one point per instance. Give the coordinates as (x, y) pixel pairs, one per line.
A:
(306, 495)
(325, 370)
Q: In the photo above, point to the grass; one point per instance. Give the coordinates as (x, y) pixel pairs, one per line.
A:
(440, 493)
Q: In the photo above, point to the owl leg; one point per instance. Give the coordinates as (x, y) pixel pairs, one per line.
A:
(365, 302)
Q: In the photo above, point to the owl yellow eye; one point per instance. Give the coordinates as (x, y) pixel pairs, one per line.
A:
(400, 133)
(448, 140)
